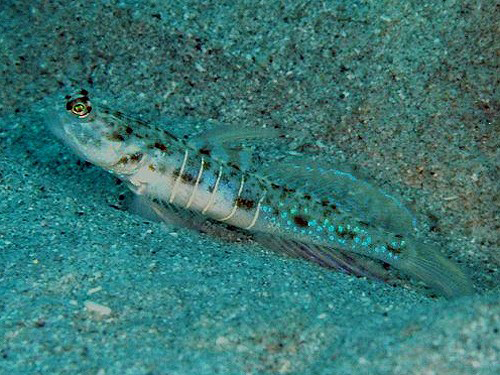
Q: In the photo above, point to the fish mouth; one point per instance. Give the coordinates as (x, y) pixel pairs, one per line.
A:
(54, 123)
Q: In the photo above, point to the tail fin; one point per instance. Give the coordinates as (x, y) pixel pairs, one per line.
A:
(444, 276)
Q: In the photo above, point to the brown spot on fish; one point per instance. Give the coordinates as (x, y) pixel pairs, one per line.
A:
(129, 130)
(245, 203)
(206, 165)
(151, 167)
(235, 166)
(204, 151)
(115, 136)
(325, 202)
(307, 196)
(160, 146)
(392, 249)
(186, 177)
(341, 233)
(123, 160)
(300, 221)
(176, 172)
(136, 157)
(274, 186)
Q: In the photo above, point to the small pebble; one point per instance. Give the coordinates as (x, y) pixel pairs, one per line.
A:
(97, 308)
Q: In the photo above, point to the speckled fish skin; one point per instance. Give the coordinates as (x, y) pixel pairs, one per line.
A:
(164, 168)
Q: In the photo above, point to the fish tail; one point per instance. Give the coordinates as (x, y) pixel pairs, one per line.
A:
(441, 274)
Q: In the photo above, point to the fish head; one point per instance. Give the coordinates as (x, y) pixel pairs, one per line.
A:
(93, 133)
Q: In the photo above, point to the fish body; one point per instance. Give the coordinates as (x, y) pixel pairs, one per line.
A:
(351, 226)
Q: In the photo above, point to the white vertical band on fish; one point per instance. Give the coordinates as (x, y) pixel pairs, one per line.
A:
(235, 206)
(195, 187)
(177, 181)
(257, 212)
(212, 196)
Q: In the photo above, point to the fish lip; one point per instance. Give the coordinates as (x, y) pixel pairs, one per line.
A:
(54, 123)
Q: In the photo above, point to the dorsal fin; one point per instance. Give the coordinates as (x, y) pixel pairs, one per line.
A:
(343, 188)
(225, 135)
(227, 143)
(231, 144)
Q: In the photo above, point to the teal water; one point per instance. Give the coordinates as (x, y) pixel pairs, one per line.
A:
(406, 92)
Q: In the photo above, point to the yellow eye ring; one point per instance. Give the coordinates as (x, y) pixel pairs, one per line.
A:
(79, 107)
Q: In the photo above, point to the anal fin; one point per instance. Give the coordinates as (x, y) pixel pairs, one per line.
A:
(325, 256)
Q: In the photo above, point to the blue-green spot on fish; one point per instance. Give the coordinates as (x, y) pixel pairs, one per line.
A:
(319, 213)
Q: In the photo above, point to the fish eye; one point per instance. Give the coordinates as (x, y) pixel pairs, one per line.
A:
(79, 107)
